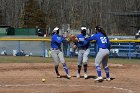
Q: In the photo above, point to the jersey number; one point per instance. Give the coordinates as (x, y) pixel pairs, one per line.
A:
(103, 39)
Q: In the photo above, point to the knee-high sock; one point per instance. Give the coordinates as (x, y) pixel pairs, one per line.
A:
(65, 68)
(98, 69)
(107, 72)
(79, 69)
(85, 68)
(56, 70)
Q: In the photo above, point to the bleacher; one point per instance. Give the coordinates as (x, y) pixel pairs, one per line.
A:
(128, 50)
(120, 50)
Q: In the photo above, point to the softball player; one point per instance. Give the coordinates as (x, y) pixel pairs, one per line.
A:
(83, 52)
(103, 54)
(57, 54)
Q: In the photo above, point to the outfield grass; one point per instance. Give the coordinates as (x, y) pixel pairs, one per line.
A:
(23, 59)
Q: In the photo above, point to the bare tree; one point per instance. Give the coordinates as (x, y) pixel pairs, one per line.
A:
(33, 16)
(76, 13)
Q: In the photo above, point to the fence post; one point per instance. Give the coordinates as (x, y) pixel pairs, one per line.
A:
(18, 46)
(43, 48)
(129, 54)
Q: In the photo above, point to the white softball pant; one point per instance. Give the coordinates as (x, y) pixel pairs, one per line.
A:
(102, 57)
(57, 56)
(83, 56)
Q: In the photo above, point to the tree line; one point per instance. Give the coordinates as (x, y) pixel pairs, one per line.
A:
(76, 13)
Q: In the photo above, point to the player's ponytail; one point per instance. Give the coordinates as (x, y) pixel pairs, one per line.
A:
(100, 29)
(103, 32)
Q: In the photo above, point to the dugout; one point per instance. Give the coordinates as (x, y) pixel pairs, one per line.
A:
(10, 31)
(6, 30)
(41, 32)
(3, 32)
(25, 31)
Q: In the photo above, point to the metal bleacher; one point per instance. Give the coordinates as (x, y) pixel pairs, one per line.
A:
(120, 50)
(128, 50)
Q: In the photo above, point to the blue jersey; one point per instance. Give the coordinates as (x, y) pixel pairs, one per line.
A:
(101, 40)
(82, 43)
(56, 41)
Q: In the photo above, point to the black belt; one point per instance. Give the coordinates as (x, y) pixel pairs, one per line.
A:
(84, 48)
(55, 48)
(104, 48)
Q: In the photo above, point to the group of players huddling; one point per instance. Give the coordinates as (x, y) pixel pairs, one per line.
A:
(82, 43)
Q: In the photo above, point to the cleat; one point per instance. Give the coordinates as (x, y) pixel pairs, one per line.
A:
(68, 76)
(58, 76)
(107, 79)
(78, 76)
(85, 76)
(100, 79)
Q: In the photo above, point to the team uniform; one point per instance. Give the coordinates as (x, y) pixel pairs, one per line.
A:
(83, 53)
(57, 54)
(102, 55)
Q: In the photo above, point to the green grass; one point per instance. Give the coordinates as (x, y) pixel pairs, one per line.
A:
(23, 59)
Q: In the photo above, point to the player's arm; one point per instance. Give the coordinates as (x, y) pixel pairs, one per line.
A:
(91, 38)
(58, 39)
(75, 45)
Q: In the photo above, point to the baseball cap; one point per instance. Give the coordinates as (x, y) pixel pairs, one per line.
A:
(56, 28)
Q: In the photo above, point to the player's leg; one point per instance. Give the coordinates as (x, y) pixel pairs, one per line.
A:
(80, 58)
(56, 70)
(54, 55)
(85, 60)
(98, 60)
(62, 60)
(105, 66)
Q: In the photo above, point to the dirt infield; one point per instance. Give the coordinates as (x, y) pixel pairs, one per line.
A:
(26, 78)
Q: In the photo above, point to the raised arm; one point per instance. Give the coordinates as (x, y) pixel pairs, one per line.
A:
(58, 39)
(91, 38)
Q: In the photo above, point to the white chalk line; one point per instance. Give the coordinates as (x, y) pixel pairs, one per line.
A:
(60, 85)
